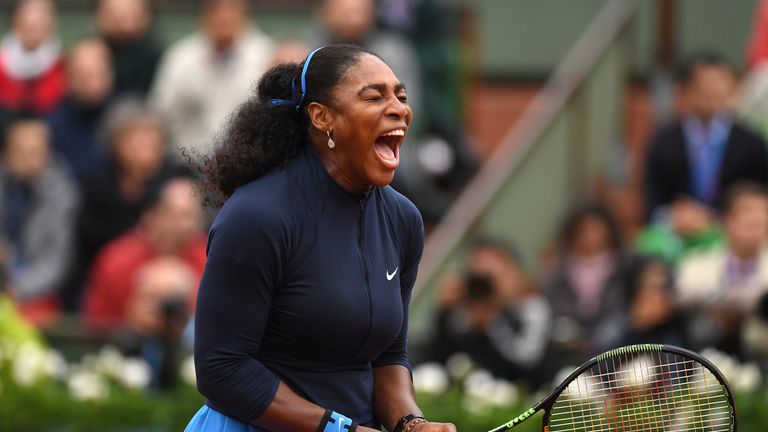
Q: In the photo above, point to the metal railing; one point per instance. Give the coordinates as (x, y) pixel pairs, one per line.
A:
(566, 138)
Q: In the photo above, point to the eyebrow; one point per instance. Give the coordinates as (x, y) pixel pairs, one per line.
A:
(380, 87)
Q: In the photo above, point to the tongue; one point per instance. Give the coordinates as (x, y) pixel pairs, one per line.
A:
(384, 150)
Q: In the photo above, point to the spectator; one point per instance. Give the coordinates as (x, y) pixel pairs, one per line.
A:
(126, 27)
(706, 150)
(77, 121)
(31, 69)
(686, 229)
(156, 315)
(354, 22)
(492, 313)
(39, 202)
(172, 226)
(115, 196)
(654, 316)
(721, 287)
(588, 285)
(203, 77)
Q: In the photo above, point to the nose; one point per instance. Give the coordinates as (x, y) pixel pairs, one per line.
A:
(398, 109)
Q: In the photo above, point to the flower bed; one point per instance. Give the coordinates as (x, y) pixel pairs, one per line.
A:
(39, 391)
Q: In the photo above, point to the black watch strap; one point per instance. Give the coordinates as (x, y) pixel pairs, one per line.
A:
(405, 419)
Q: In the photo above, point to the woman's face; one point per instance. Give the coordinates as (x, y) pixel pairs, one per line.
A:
(369, 119)
(592, 236)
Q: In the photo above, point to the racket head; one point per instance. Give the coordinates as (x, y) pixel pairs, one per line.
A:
(651, 387)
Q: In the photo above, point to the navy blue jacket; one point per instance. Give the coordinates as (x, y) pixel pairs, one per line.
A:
(307, 283)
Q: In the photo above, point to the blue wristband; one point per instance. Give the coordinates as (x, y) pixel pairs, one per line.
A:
(335, 422)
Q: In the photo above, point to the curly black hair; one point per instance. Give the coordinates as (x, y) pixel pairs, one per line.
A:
(261, 136)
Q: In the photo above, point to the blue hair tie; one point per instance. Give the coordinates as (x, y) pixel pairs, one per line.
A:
(282, 102)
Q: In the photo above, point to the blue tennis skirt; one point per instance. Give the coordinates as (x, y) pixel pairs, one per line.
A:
(208, 419)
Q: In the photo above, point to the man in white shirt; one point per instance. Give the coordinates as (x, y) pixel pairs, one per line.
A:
(205, 76)
(722, 287)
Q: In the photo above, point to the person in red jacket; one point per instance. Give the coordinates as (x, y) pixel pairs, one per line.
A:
(170, 227)
(31, 66)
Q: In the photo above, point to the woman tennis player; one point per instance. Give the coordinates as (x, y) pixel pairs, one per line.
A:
(303, 307)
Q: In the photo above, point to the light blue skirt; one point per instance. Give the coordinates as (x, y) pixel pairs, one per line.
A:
(208, 419)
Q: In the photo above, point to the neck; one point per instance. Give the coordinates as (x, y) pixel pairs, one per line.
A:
(745, 254)
(334, 168)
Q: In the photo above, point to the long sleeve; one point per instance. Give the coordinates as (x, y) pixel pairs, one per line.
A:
(654, 179)
(246, 253)
(48, 237)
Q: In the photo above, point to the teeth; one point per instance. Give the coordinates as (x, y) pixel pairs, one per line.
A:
(397, 132)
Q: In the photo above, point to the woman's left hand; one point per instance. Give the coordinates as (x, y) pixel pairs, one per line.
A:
(434, 427)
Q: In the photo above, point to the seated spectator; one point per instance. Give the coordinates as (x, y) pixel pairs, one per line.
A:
(587, 286)
(38, 201)
(31, 69)
(203, 77)
(117, 193)
(126, 27)
(705, 151)
(77, 121)
(685, 229)
(493, 314)
(171, 226)
(156, 314)
(654, 316)
(723, 286)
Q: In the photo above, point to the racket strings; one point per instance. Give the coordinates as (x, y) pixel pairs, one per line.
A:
(643, 392)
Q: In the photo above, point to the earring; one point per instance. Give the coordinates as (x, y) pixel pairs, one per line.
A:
(331, 144)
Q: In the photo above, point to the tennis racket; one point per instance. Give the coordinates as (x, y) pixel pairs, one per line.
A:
(648, 388)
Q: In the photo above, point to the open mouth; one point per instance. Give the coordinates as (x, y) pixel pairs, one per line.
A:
(387, 146)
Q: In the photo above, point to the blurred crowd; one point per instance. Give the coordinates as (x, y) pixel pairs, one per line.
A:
(100, 215)
(695, 275)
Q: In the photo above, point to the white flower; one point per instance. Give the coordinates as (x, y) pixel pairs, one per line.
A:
(482, 392)
(584, 388)
(479, 383)
(86, 385)
(110, 362)
(636, 374)
(459, 365)
(188, 371)
(476, 406)
(726, 364)
(135, 373)
(430, 378)
(55, 365)
(504, 393)
(29, 365)
(747, 378)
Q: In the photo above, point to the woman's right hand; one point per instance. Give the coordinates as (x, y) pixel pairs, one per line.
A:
(434, 427)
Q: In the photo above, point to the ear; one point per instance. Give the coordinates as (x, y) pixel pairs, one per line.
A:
(321, 116)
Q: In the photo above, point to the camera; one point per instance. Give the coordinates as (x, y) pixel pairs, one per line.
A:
(478, 286)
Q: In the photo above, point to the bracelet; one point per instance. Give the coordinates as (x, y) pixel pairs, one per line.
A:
(413, 424)
(405, 419)
(335, 422)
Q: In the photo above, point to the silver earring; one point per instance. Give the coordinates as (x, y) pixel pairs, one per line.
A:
(331, 144)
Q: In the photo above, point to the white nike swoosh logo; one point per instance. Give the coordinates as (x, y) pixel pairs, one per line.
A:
(390, 276)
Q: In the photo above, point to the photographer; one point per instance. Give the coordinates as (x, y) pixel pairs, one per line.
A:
(492, 313)
(156, 316)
